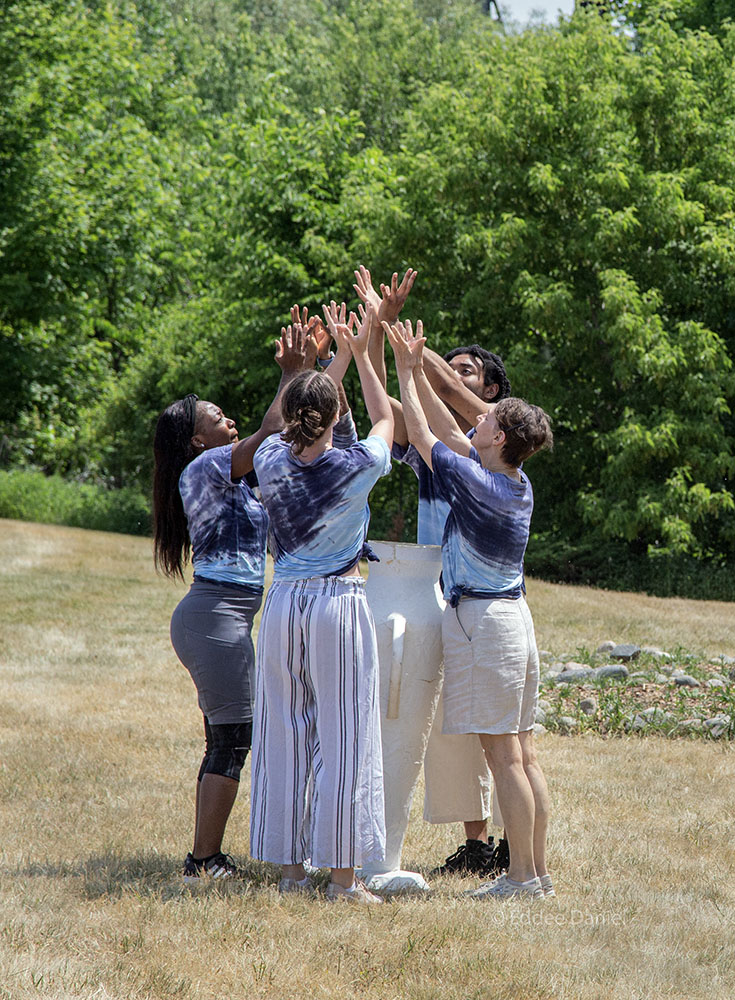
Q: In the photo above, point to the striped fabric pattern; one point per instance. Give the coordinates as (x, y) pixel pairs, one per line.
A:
(317, 780)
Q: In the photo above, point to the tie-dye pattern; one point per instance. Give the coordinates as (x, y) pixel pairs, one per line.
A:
(227, 525)
(318, 511)
(487, 530)
(432, 510)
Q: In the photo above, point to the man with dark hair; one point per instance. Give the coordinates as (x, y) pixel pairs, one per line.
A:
(458, 783)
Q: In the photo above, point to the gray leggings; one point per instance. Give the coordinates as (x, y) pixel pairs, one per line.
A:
(211, 633)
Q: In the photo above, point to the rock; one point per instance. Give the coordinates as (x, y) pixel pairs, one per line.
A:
(732, 675)
(639, 676)
(718, 725)
(546, 705)
(726, 659)
(716, 682)
(625, 652)
(667, 670)
(573, 665)
(606, 647)
(661, 679)
(656, 653)
(719, 677)
(614, 671)
(690, 726)
(567, 724)
(657, 716)
(545, 656)
(653, 716)
(684, 680)
(588, 706)
(574, 676)
(540, 716)
(538, 729)
(554, 668)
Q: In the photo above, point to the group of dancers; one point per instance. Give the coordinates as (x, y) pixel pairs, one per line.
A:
(309, 704)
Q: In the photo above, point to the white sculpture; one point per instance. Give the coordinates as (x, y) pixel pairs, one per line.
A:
(407, 605)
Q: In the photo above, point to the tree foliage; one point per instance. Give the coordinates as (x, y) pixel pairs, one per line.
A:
(175, 175)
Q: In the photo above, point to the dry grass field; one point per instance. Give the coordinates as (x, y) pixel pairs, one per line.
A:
(99, 745)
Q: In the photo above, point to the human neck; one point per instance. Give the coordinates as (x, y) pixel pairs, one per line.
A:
(490, 459)
(318, 448)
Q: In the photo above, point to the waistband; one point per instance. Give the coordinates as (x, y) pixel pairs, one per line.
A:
(239, 588)
(331, 586)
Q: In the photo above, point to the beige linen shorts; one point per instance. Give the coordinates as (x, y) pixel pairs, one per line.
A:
(491, 667)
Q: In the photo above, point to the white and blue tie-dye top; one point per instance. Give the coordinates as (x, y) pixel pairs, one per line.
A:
(487, 529)
(318, 511)
(227, 525)
(432, 511)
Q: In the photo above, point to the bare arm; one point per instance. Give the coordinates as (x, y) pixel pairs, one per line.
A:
(376, 399)
(408, 360)
(439, 417)
(449, 388)
(400, 434)
(291, 355)
(388, 307)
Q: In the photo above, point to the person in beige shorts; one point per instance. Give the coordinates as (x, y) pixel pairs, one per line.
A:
(491, 669)
(458, 781)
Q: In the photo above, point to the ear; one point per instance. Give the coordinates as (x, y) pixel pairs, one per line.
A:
(489, 392)
(197, 442)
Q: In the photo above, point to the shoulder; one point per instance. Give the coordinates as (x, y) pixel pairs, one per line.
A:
(268, 450)
(213, 465)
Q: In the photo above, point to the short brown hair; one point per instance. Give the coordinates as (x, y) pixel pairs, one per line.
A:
(310, 404)
(527, 429)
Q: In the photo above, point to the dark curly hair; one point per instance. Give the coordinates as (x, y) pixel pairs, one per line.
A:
(310, 404)
(492, 364)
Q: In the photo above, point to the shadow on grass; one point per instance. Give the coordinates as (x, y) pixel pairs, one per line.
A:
(147, 874)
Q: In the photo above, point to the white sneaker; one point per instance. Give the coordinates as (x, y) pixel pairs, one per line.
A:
(547, 886)
(303, 885)
(357, 893)
(505, 888)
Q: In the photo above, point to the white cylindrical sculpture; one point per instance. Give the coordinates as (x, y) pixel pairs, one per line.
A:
(407, 604)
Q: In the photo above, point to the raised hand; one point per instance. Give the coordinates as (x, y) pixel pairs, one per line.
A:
(392, 298)
(338, 320)
(407, 347)
(395, 295)
(364, 288)
(292, 349)
(322, 338)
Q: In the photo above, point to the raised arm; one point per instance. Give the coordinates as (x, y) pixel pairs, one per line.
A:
(407, 351)
(291, 355)
(387, 304)
(376, 399)
(451, 390)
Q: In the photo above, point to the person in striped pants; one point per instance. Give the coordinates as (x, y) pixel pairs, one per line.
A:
(317, 780)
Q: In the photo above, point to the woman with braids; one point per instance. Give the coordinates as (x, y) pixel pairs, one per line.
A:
(317, 780)
(203, 505)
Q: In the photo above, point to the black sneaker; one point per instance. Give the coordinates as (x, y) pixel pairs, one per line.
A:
(475, 857)
(501, 857)
(219, 866)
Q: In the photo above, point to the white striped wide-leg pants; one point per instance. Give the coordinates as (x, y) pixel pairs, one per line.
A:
(317, 768)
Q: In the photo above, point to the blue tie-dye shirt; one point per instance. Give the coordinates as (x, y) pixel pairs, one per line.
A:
(487, 529)
(227, 525)
(318, 511)
(433, 511)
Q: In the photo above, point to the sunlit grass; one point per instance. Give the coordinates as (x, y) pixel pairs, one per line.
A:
(99, 746)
